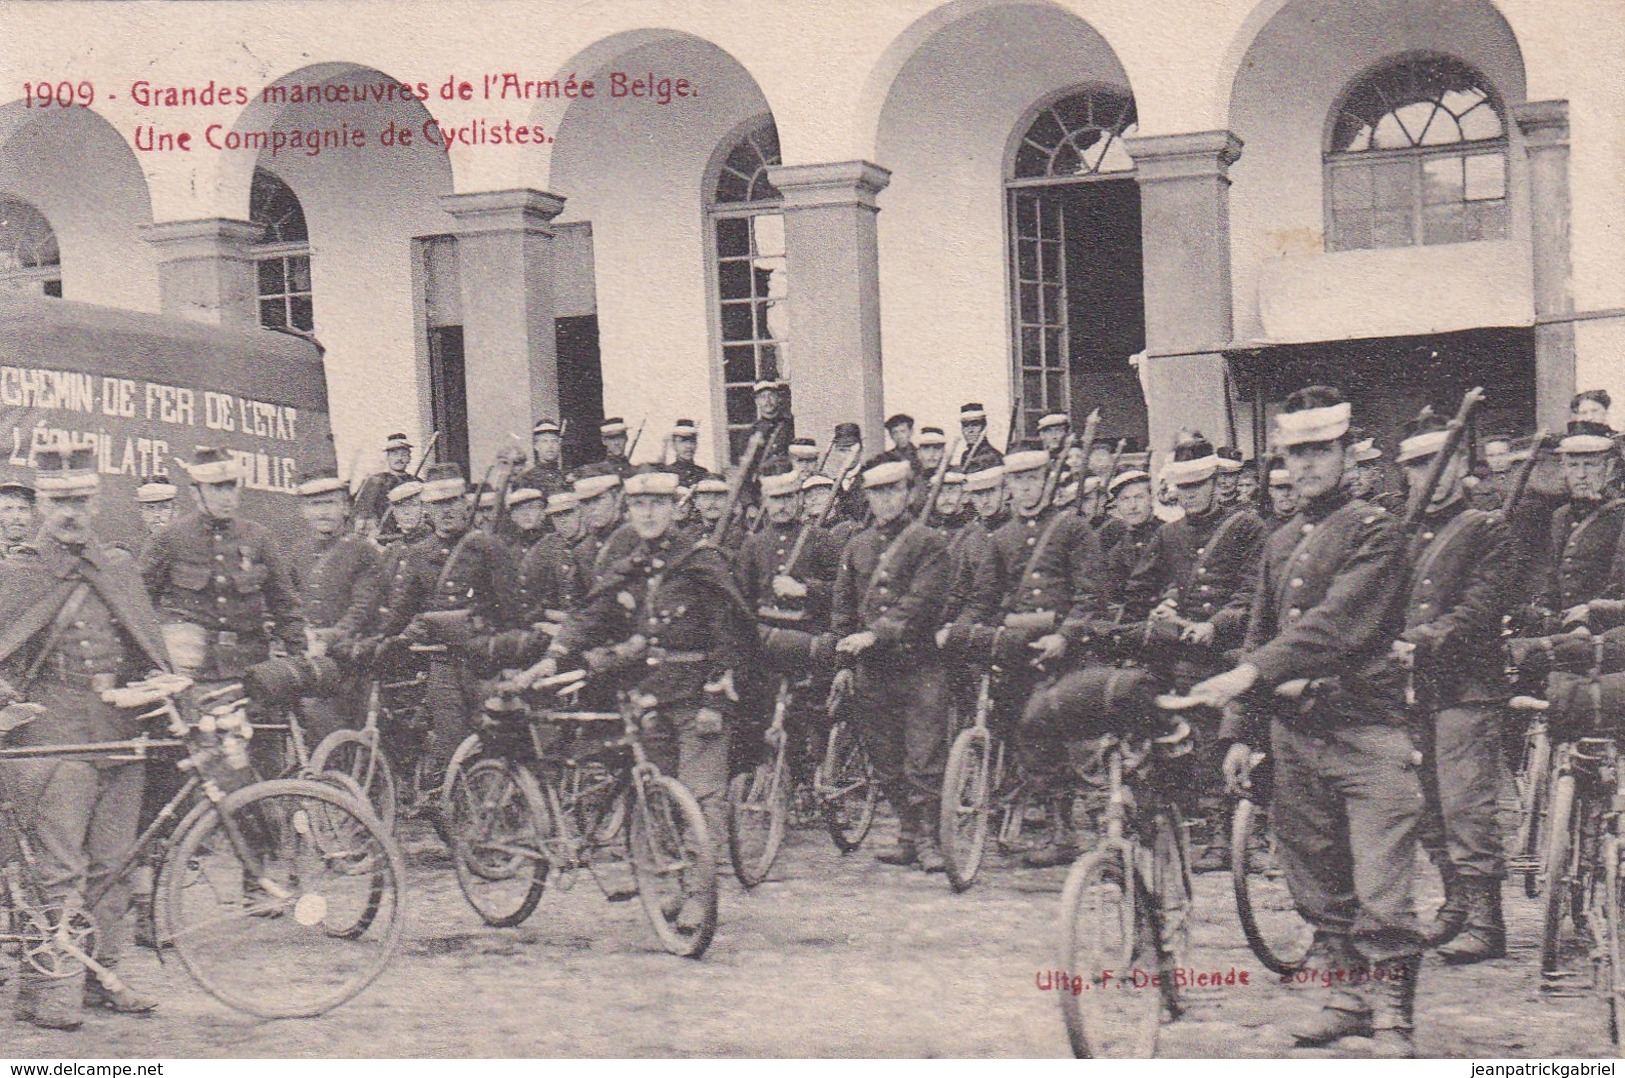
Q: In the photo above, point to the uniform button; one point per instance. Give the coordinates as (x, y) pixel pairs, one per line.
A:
(1038, 591)
(1426, 583)
(220, 598)
(1297, 582)
(1307, 528)
(1294, 613)
(1202, 571)
(1031, 540)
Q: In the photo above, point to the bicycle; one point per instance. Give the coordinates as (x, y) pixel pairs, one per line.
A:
(1269, 917)
(1126, 909)
(540, 791)
(845, 781)
(293, 872)
(759, 799)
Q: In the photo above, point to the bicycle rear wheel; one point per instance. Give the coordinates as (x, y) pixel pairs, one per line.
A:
(1557, 879)
(499, 824)
(674, 863)
(846, 787)
(1109, 947)
(967, 801)
(1611, 973)
(362, 759)
(285, 901)
(758, 811)
(1269, 918)
(1535, 790)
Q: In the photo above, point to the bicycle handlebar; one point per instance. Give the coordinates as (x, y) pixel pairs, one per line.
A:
(1529, 703)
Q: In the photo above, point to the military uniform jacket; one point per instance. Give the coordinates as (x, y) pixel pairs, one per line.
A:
(678, 595)
(893, 582)
(546, 579)
(766, 555)
(225, 575)
(1585, 560)
(983, 457)
(1330, 603)
(1462, 560)
(1066, 579)
(687, 472)
(113, 631)
(372, 500)
(481, 581)
(1124, 548)
(547, 478)
(1208, 564)
(965, 553)
(340, 582)
(584, 559)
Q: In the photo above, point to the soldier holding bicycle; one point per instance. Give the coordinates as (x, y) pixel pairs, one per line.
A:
(77, 622)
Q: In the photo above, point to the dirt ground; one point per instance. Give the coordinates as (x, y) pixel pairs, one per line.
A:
(833, 956)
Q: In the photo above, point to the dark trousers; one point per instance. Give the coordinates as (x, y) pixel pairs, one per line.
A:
(1461, 779)
(697, 760)
(901, 704)
(1347, 809)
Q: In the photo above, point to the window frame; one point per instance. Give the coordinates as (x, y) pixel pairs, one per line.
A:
(281, 251)
(1417, 157)
(41, 277)
(723, 448)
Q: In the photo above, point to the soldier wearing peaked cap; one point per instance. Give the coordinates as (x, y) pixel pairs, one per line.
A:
(1585, 535)
(685, 442)
(219, 580)
(598, 493)
(75, 621)
(612, 434)
(1230, 471)
(16, 516)
(1127, 532)
(1328, 609)
(778, 592)
(773, 419)
(547, 580)
(900, 429)
(156, 502)
(1461, 559)
(979, 455)
(372, 500)
(546, 473)
(890, 591)
(984, 490)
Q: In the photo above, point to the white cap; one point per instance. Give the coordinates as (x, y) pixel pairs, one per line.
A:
(592, 486)
(886, 473)
(652, 482)
(410, 489)
(1025, 461)
(1313, 425)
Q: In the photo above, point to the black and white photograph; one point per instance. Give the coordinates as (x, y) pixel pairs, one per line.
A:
(556, 530)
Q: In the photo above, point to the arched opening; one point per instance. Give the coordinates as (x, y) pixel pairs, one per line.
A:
(29, 258)
(1076, 267)
(282, 255)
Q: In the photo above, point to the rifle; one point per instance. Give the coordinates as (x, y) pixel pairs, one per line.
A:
(1010, 431)
(1455, 431)
(631, 447)
(936, 482)
(1527, 469)
(829, 507)
(1106, 481)
(417, 473)
(747, 467)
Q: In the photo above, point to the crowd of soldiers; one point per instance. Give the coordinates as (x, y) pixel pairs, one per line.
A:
(660, 578)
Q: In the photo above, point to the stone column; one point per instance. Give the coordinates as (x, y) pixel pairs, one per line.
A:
(505, 260)
(206, 270)
(830, 248)
(1545, 129)
(1185, 228)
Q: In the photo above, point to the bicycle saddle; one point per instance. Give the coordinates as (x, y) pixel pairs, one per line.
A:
(148, 692)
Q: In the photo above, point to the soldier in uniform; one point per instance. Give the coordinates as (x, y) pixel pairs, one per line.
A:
(773, 419)
(889, 595)
(685, 444)
(1460, 559)
(546, 474)
(220, 581)
(775, 590)
(76, 622)
(547, 581)
(16, 516)
(156, 503)
(1586, 531)
(710, 501)
(1347, 799)
(1041, 574)
(1591, 406)
(665, 621)
(1229, 477)
(949, 514)
(978, 454)
(1052, 431)
(968, 546)
(900, 429)
(338, 578)
(1283, 498)
(372, 500)
(817, 491)
(612, 435)
(1128, 532)
(599, 497)
(803, 457)
(406, 508)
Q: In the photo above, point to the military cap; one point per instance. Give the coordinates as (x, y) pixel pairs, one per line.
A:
(775, 486)
(66, 472)
(612, 427)
(804, 449)
(930, 436)
(651, 479)
(546, 426)
(1584, 436)
(591, 486)
(153, 493)
(1230, 460)
(211, 466)
(986, 479)
(405, 492)
(522, 495)
(1194, 460)
(886, 473)
(685, 428)
(322, 479)
(563, 502)
(1123, 479)
(396, 441)
(1054, 419)
(442, 483)
(711, 484)
(815, 481)
(972, 413)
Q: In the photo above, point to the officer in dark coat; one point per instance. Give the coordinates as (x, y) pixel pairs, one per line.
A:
(338, 578)
(612, 434)
(1585, 565)
(1461, 559)
(889, 596)
(547, 579)
(773, 419)
(685, 443)
(546, 474)
(780, 593)
(372, 500)
(978, 454)
(75, 621)
(599, 496)
(666, 621)
(1127, 532)
(1041, 576)
(220, 580)
(1347, 802)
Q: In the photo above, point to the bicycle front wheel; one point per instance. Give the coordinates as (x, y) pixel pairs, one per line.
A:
(1535, 790)
(674, 863)
(1109, 954)
(1557, 879)
(285, 901)
(967, 796)
(361, 759)
(499, 826)
(1269, 918)
(1610, 974)
(758, 809)
(846, 788)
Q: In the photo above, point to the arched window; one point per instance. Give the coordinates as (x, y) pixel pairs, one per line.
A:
(1416, 154)
(282, 256)
(751, 282)
(29, 259)
(1075, 257)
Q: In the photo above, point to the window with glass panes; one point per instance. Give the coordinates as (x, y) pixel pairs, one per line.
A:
(1077, 138)
(752, 286)
(1418, 156)
(282, 256)
(29, 258)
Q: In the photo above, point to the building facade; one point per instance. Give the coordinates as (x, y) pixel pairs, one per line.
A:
(1178, 212)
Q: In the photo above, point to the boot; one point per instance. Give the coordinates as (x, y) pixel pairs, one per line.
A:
(50, 1002)
(1345, 1012)
(1058, 848)
(906, 850)
(930, 850)
(120, 1000)
(1452, 916)
(1485, 935)
(1392, 992)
